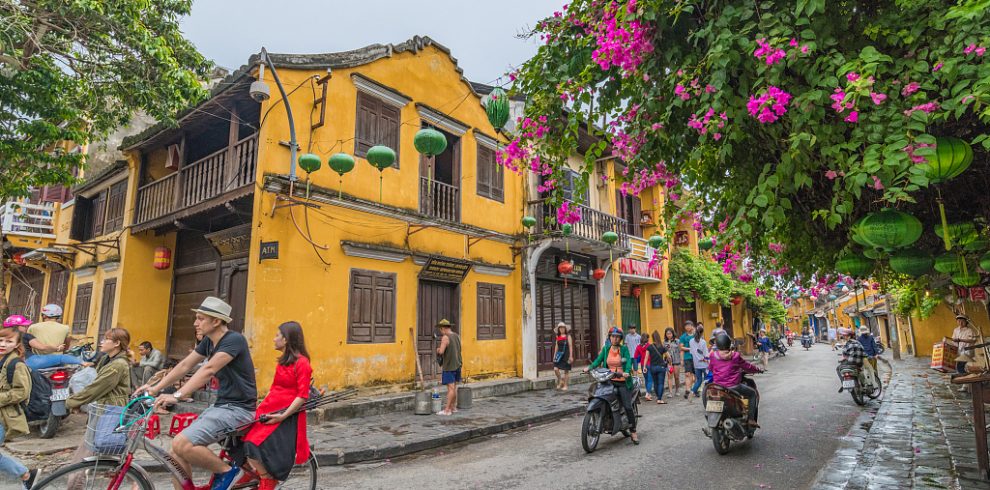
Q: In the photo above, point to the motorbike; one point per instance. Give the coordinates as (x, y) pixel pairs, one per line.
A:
(790, 340)
(605, 413)
(780, 348)
(49, 421)
(806, 341)
(880, 347)
(853, 379)
(727, 413)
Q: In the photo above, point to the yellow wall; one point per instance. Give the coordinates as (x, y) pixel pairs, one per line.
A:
(942, 323)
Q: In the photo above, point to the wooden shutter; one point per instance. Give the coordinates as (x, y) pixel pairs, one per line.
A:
(80, 317)
(106, 305)
(58, 283)
(371, 310)
(635, 214)
(388, 129)
(81, 219)
(491, 311)
(366, 125)
(115, 207)
(498, 179)
(99, 214)
(484, 173)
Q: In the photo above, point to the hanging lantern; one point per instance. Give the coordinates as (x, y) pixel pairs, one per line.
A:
(948, 264)
(706, 244)
(985, 262)
(598, 274)
(736, 300)
(430, 142)
(528, 221)
(952, 157)
(567, 229)
(890, 229)
(380, 157)
(163, 258)
(967, 279)
(637, 291)
(961, 234)
(19, 258)
(341, 163)
(856, 234)
(978, 245)
(565, 268)
(854, 265)
(912, 262)
(656, 241)
(497, 108)
(310, 162)
(610, 237)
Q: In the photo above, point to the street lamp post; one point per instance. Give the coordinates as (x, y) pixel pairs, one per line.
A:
(260, 93)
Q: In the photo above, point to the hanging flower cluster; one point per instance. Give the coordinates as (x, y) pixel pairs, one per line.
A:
(621, 44)
(911, 148)
(648, 177)
(568, 214)
(769, 54)
(770, 105)
(522, 152)
(709, 123)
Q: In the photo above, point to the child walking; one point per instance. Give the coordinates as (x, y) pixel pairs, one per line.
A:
(12, 420)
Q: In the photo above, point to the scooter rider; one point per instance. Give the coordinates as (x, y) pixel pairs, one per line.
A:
(615, 356)
(852, 353)
(727, 367)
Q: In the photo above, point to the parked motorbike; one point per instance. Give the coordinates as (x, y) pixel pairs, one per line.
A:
(84, 351)
(806, 341)
(49, 420)
(780, 348)
(727, 413)
(853, 379)
(880, 347)
(605, 413)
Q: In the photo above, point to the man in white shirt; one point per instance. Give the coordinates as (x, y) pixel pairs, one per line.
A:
(964, 336)
(53, 333)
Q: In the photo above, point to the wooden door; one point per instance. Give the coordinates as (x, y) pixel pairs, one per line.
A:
(25, 291)
(572, 305)
(107, 300)
(189, 291)
(727, 323)
(683, 312)
(437, 301)
(233, 290)
(58, 286)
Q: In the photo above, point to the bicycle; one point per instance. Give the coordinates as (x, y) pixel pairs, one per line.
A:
(113, 466)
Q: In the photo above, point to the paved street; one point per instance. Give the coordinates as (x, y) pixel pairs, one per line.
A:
(803, 420)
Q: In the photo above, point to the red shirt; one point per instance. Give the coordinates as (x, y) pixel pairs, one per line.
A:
(290, 382)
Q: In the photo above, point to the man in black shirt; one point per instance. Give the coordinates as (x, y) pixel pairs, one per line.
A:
(229, 359)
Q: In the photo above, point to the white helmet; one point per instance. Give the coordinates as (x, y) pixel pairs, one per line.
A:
(52, 311)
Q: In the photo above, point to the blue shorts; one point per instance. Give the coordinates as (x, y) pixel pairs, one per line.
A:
(449, 377)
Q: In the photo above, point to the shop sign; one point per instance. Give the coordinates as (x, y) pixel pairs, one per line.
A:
(639, 268)
(269, 250)
(978, 293)
(656, 300)
(444, 269)
(231, 243)
(681, 239)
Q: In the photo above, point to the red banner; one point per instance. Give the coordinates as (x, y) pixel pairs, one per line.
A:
(978, 293)
(640, 268)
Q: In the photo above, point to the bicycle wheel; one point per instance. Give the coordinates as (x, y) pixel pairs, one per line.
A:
(93, 475)
(303, 476)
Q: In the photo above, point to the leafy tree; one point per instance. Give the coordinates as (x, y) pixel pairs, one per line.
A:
(789, 120)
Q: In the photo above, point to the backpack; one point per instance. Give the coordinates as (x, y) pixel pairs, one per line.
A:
(38, 404)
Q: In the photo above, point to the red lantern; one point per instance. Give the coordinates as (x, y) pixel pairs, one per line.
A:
(598, 274)
(737, 300)
(636, 291)
(19, 258)
(565, 267)
(163, 258)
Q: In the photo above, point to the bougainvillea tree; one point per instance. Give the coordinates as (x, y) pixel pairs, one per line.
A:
(789, 120)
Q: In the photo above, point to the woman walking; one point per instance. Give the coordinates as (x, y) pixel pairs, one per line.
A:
(640, 358)
(699, 350)
(656, 359)
(763, 344)
(563, 352)
(674, 351)
(278, 442)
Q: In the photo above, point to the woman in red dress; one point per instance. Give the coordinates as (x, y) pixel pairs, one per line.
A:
(280, 441)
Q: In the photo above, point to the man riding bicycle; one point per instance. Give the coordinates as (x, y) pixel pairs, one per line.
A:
(229, 359)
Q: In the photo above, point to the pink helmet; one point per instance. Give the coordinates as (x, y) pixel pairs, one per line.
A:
(16, 321)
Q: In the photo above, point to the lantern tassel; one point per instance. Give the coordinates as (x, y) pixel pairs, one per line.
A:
(307, 187)
(381, 182)
(567, 245)
(945, 222)
(340, 187)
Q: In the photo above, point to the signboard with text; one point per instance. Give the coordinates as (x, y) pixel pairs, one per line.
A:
(444, 269)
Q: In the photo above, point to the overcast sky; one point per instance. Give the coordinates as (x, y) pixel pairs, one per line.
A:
(480, 35)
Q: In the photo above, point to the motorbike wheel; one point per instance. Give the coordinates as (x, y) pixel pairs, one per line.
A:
(857, 394)
(877, 390)
(50, 426)
(720, 440)
(591, 431)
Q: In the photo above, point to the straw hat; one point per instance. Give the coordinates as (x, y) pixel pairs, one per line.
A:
(445, 323)
(216, 308)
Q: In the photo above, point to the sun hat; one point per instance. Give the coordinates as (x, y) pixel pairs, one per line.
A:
(445, 323)
(864, 330)
(216, 308)
(52, 311)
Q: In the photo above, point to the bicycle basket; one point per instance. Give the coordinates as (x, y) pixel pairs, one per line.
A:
(105, 435)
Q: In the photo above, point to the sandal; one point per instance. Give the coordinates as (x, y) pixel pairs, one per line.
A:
(661, 402)
(635, 438)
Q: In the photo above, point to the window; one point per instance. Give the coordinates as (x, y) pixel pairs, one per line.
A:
(80, 317)
(58, 283)
(115, 207)
(377, 124)
(371, 313)
(570, 186)
(491, 175)
(106, 305)
(630, 208)
(99, 215)
(491, 311)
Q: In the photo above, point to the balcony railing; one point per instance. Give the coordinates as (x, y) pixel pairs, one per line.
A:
(439, 200)
(592, 225)
(640, 249)
(34, 220)
(222, 171)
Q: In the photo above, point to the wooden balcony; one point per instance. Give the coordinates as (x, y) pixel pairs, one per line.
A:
(26, 219)
(439, 200)
(217, 174)
(592, 225)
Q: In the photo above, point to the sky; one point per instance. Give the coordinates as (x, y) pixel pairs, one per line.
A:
(480, 35)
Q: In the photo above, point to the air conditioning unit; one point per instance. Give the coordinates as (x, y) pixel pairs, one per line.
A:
(173, 158)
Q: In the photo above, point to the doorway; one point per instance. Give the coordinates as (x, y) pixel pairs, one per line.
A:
(630, 313)
(437, 301)
(440, 181)
(727, 321)
(683, 313)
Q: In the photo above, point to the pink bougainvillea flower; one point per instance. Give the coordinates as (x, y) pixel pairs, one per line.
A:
(966, 99)
(837, 97)
(877, 97)
(621, 43)
(852, 117)
(969, 49)
(766, 52)
(804, 49)
(852, 76)
(567, 214)
(793, 43)
(937, 67)
(682, 92)
(770, 105)
(717, 136)
(876, 183)
(831, 175)
(980, 51)
(928, 108)
(910, 88)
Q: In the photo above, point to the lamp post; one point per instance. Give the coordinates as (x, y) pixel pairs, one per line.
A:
(260, 93)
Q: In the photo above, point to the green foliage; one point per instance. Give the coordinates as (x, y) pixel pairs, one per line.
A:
(72, 71)
(693, 277)
(912, 298)
(803, 179)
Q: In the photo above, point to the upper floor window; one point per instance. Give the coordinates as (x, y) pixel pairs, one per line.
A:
(491, 175)
(570, 185)
(377, 124)
(99, 215)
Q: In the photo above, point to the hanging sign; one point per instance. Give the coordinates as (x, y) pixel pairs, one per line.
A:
(444, 269)
(978, 293)
(681, 239)
(269, 250)
(231, 243)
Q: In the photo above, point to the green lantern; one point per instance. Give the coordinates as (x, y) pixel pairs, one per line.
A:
(911, 262)
(528, 221)
(430, 142)
(985, 262)
(380, 157)
(497, 108)
(957, 233)
(309, 162)
(854, 265)
(952, 157)
(341, 163)
(872, 253)
(967, 279)
(610, 237)
(890, 229)
(978, 245)
(706, 244)
(856, 235)
(948, 264)
(656, 241)
(566, 229)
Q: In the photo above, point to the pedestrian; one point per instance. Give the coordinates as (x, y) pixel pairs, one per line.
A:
(964, 335)
(12, 395)
(147, 366)
(764, 348)
(832, 336)
(54, 336)
(615, 356)
(228, 357)
(699, 356)
(633, 340)
(685, 341)
(870, 349)
(563, 353)
(657, 359)
(640, 359)
(278, 442)
(673, 347)
(450, 349)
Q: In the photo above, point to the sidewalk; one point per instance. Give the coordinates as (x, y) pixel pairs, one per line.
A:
(921, 436)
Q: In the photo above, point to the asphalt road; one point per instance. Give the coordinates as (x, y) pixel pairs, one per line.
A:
(802, 417)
